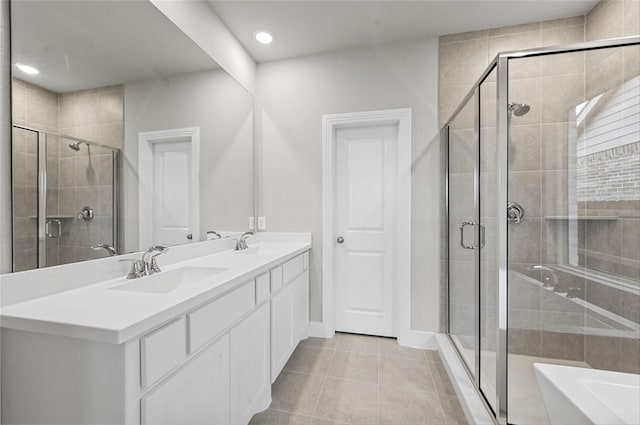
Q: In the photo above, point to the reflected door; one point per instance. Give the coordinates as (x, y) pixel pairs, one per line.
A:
(172, 193)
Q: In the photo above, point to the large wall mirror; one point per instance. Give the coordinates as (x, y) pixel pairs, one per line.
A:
(125, 134)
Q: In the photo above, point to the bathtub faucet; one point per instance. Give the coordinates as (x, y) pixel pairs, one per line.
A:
(547, 275)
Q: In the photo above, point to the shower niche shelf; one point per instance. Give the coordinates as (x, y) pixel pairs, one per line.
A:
(59, 217)
(583, 217)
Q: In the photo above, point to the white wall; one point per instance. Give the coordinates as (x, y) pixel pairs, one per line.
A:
(292, 96)
(223, 110)
(5, 140)
(200, 23)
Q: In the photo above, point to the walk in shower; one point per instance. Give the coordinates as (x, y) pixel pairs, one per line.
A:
(543, 220)
(65, 193)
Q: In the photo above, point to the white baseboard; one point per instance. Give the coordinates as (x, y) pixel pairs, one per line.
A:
(320, 330)
(419, 339)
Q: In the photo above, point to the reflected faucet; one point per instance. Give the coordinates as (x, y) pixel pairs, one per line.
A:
(111, 250)
(213, 232)
(241, 244)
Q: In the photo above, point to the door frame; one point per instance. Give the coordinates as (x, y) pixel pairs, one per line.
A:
(146, 140)
(402, 274)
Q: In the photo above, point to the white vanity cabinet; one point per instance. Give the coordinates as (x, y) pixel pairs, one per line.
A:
(197, 394)
(211, 364)
(289, 311)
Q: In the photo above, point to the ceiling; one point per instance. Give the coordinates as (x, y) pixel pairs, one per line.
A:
(86, 44)
(310, 27)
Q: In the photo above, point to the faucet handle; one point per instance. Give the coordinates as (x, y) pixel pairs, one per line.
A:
(136, 270)
(154, 265)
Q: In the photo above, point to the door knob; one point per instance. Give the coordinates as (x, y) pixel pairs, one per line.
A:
(189, 236)
(340, 239)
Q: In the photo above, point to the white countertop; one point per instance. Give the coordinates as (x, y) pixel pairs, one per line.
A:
(96, 312)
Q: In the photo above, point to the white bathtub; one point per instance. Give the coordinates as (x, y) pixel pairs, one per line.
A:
(574, 395)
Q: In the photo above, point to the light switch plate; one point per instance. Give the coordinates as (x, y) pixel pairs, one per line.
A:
(252, 223)
(262, 223)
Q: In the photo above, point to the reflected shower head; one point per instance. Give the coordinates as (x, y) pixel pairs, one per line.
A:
(519, 109)
(75, 146)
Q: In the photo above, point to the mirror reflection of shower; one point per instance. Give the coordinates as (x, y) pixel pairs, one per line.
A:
(519, 109)
(75, 146)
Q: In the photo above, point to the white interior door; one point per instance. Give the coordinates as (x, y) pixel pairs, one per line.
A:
(365, 216)
(172, 193)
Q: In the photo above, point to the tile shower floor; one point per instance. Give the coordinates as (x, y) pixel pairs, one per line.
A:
(364, 380)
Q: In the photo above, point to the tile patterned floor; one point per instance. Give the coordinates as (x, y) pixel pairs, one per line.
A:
(361, 380)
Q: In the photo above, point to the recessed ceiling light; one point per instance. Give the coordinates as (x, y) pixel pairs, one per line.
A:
(263, 36)
(27, 69)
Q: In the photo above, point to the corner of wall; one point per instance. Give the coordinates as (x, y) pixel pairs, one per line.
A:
(198, 21)
(5, 138)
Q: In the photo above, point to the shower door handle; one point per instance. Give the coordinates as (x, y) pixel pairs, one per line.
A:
(462, 226)
(47, 230)
(482, 235)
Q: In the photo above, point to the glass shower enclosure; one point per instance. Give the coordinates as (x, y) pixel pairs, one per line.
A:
(543, 220)
(65, 198)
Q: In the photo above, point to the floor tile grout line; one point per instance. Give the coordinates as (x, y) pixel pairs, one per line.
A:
(324, 381)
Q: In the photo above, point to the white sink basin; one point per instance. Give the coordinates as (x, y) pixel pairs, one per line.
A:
(586, 396)
(168, 281)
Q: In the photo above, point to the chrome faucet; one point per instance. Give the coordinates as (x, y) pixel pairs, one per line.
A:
(213, 232)
(145, 266)
(241, 244)
(111, 250)
(149, 266)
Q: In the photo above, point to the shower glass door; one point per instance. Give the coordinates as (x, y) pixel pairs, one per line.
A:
(463, 231)
(25, 199)
(472, 228)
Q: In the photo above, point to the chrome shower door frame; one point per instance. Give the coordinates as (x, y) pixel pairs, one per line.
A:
(501, 63)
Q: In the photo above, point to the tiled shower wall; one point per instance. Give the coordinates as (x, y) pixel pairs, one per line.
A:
(75, 179)
(38, 108)
(86, 176)
(541, 167)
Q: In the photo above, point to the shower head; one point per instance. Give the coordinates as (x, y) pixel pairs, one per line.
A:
(75, 146)
(519, 109)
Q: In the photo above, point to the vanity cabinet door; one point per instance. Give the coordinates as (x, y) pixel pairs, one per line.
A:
(197, 394)
(250, 366)
(301, 306)
(282, 329)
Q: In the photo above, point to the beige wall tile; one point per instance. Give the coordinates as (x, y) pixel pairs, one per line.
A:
(559, 97)
(521, 68)
(562, 64)
(110, 107)
(524, 241)
(631, 23)
(563, 22)
(18, 99)
(606, 21)
(524, 188)
(463, 36)
(41, 107)
(462, 62)
(524, 148)
(87, 110)
(450, 99)
(514, 29)
(563, 35)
